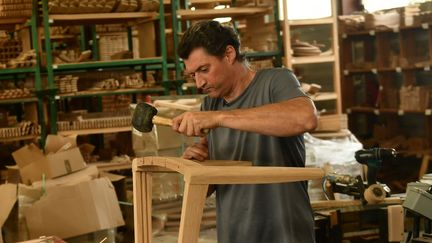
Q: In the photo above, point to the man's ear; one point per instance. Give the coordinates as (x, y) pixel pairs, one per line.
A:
(230, 54)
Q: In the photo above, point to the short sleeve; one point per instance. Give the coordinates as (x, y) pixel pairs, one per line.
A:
(284, 86)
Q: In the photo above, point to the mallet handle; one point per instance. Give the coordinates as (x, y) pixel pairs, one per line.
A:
(162, 121)
(168, 122)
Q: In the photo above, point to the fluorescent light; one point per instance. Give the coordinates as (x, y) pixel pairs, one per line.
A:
(308, 9)
(374, 5)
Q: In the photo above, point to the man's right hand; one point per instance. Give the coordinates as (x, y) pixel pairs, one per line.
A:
(198, 151)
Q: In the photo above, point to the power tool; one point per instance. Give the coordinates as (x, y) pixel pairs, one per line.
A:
(370, 192)
(373, 159)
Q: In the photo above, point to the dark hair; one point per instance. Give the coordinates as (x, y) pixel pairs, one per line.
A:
(212, 36)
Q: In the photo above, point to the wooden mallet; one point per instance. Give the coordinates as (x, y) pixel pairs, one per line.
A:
(144, 117)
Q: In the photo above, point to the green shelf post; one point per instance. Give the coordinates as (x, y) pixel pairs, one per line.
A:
(163, 48)
(278, 33)
(235, 23)
(176, 27)
(83, 42)
(37, 73)
(186, 6)
(95, 44)
(49, 68)
(130, 38)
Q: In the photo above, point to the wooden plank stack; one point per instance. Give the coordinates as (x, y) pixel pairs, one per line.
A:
(96, 120)
(107, 122)
(258, 35)
(101, 6)
(15, 8)
(415, 98)
(112, 43)
(116, 102)
(261, 64)
(332, 123)
(24, 59)
(67, 84)
(76, 6)
(9, 49)
(14, 93)
(96, 81)
(24, 128)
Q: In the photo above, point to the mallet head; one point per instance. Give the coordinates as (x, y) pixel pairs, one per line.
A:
(142, 118)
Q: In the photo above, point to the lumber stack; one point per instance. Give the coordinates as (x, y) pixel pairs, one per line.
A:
(101, 6)
(14, 93)
(15, 8)
(332, 123)
(24, 59)
(95, 120)
(9, 49)
(415, 98)
(24, 128)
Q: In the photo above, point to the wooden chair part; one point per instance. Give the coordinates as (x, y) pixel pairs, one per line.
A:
(197, 177)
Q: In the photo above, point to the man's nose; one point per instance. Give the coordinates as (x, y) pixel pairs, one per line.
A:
(200, 81)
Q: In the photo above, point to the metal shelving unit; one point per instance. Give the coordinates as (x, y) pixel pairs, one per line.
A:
(9, 24)
(141, 64)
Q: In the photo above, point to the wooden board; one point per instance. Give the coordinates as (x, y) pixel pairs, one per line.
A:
(217, 13)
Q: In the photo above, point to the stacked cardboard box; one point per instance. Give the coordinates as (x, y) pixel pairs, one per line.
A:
(72, 201)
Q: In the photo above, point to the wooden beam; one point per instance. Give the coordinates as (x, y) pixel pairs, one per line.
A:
(192, 210)
(250, 175)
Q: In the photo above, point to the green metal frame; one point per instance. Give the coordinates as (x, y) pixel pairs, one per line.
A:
(22, 72)
(51, 92)
(278, 33)
(176, 28)
(83, 41)
(94, 43)
(51, 89)
(37, 72)
(163, 46)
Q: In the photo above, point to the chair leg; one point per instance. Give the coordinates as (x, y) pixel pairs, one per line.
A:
(424, 165)
(142, 190)
(192, 210)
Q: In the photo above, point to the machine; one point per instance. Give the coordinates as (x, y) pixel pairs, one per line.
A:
(369, 192)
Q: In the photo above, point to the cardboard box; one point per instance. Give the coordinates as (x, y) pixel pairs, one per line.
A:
(61, 157)
(56, 143)
(89, 173)
(72, 210)
(8, 197)
(13, 174)
(45, 239)
(33, 164)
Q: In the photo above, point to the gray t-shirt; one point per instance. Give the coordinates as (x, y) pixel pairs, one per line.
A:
(267, 213)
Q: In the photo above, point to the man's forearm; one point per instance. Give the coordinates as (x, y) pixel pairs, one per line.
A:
(282, 119)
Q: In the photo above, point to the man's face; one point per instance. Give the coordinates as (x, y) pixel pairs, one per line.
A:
(211, 73)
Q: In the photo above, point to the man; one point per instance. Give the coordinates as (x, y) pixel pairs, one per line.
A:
(252, 116)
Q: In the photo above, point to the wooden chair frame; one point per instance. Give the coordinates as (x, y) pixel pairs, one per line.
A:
(197, 178)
